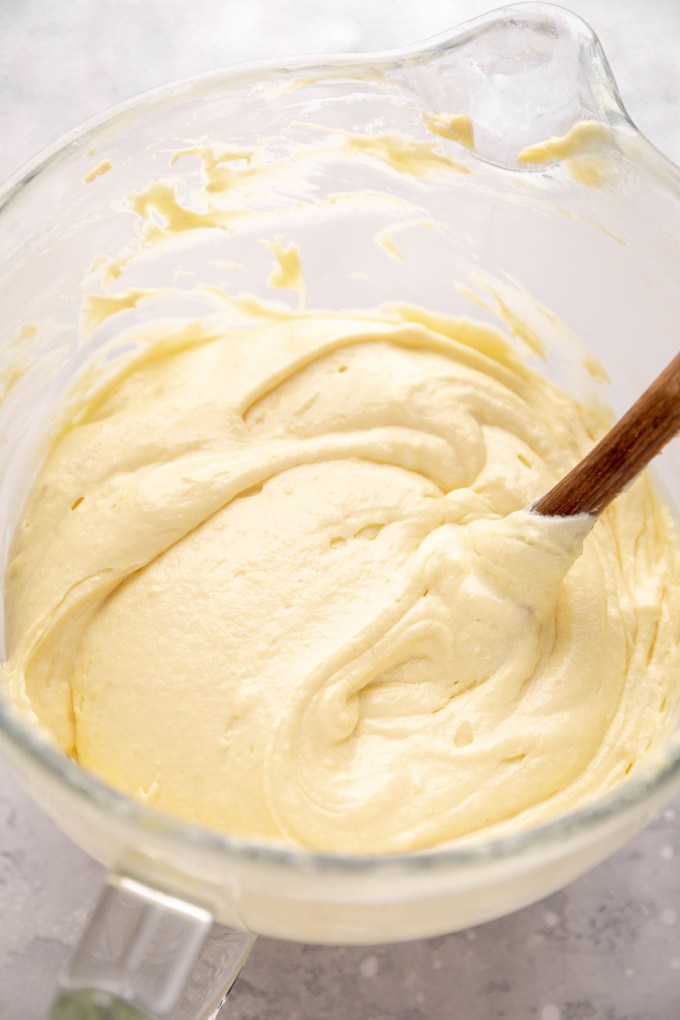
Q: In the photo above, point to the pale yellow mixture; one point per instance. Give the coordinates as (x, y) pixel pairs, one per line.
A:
(281, 582)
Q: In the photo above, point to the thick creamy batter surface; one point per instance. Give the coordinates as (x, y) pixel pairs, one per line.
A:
(280, 581)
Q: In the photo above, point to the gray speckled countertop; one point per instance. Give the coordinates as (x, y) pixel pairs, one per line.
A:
(607, 947)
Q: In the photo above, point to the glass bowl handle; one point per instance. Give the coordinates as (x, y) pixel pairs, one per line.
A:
(145, 955)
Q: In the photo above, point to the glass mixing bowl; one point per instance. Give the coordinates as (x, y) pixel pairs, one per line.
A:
(599, 248)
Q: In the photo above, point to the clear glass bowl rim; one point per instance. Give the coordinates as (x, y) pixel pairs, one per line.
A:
(29, 743)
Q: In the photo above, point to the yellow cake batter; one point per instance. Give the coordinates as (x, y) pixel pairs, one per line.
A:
(280, 581)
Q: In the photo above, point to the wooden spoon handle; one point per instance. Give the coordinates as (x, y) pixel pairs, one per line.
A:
(625, 450)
